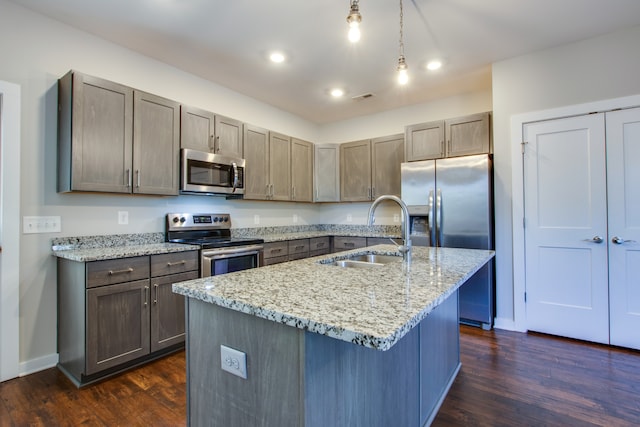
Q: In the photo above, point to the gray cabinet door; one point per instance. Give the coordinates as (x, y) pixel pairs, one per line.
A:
(228, 137)
(256, 154)
(167, 311)
(425, 141)
(156, 145)
(355, 171)
(196, 129)
(301, 170)
(279, 166)
(387, 154)
(117, 324)
(468, 135)
(101, 134)
(327, 173)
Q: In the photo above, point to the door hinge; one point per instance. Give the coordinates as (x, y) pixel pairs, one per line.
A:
(522, 144)
(524, 222)
(525, 297)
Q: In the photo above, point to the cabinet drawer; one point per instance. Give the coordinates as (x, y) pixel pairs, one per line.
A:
(275, 249)
(178, 262)
(319, 252)
(372, 241)
(319, 243)
(347, 243)
(121, 270)
(275, 260)
(298, 246)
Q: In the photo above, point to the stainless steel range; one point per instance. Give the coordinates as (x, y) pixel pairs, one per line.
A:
(219, 252)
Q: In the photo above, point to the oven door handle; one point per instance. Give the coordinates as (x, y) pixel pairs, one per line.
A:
(217, 253)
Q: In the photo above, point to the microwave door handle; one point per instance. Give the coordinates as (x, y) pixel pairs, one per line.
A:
(236, 178)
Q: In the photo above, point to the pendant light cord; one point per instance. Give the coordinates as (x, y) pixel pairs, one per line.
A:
(401, 33)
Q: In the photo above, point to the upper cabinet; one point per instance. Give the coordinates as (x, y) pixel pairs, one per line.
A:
(267, 167)
(449, 138)
(279, 166)
(205, 131)
(327, 173)
(100, 146)
(370, 168)
(301, 170)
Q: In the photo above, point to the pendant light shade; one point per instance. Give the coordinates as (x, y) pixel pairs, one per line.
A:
(353, 19)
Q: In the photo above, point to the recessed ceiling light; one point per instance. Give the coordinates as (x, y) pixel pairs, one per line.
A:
(434, 65)
(337, 92)
(277, 57)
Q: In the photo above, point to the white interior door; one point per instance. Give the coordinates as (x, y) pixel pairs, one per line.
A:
(566, 228)
(623, 175)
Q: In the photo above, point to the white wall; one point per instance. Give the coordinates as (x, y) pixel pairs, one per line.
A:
(36, 51)
(591, 70)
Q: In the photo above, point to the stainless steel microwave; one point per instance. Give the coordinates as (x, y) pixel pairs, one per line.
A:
(208, 173)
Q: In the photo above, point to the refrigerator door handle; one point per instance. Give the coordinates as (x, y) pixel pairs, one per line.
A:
(439, 217)
(431, 221)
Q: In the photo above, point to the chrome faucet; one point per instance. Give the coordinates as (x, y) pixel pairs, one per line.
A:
(404, 249)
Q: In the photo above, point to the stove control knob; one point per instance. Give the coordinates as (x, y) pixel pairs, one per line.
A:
(226, 219)
(182, 220)
(216, 219)
(175, 219)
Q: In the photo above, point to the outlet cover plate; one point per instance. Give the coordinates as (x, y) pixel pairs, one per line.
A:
(233, 361)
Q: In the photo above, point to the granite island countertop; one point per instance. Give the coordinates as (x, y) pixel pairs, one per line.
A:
(373, 307)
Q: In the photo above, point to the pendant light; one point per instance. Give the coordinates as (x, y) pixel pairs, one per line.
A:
(353, 19)
(403, 74)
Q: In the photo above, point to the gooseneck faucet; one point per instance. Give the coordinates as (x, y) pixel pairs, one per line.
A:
(404, 249)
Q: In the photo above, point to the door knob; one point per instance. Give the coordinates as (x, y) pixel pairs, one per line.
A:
(619, 240)
(596, 239)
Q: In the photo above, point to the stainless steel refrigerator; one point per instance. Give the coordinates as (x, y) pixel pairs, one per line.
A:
(450, 204)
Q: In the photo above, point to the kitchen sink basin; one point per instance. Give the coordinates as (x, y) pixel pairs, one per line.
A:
(366, 261)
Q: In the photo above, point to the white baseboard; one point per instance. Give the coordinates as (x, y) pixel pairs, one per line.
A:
(39, 364)
(506, 324)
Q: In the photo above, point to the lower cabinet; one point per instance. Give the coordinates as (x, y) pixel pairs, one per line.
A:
(342, 243)
(118, 313)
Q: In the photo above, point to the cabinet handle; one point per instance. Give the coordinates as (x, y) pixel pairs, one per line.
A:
(373, 193)
(275, 251)
(442, 148)
(293, 191)
(272, 191)
(449, 146)
(320, 245)
(216, 145)
(299, 248)
(171, 264)
(128, 270)
(212, 145)
(146, 294)
(155, 289)
(127, 181)
(317, 193)
(137, 178)
(267, 191)
(349, 244)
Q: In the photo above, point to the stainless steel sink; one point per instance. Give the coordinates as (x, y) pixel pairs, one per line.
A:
(366, 261)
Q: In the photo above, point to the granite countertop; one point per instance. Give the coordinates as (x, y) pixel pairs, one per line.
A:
(114, 252)
(311, 234)
(372, 307)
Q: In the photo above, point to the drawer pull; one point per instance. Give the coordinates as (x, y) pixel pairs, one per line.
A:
(155, 298)
(276, 250)
(349, 244)
(128, 270)
(146, 294)
(171, 264)
(299, 248)
(320, 245)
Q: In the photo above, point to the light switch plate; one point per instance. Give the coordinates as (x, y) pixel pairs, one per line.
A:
(233, 361)
(41, 224)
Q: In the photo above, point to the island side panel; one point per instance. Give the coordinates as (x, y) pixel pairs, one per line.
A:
(272, 393)
(350, 385)
(440, 356)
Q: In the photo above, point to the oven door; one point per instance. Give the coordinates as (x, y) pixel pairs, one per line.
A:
(227, 260)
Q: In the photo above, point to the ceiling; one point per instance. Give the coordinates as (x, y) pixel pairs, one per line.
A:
(228, 42)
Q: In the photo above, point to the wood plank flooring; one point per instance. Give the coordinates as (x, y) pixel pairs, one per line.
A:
(507, 379)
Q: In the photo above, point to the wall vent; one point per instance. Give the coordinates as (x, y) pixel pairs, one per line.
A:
(363, 97)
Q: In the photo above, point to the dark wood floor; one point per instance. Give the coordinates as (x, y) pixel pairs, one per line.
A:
(507, 379)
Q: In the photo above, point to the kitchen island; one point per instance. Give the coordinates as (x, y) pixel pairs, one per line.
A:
(327, 345)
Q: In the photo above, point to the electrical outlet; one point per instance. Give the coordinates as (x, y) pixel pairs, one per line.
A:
(233, 361)
(349, 218)
(256, 219)
(295, 218)
(123, 217)
(396, 218)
